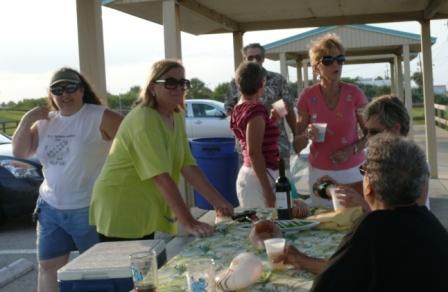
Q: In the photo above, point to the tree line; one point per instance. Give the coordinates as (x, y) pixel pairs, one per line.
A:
(199, 90)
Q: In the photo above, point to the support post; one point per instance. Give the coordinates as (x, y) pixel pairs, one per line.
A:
(428, 93)
(91, 45)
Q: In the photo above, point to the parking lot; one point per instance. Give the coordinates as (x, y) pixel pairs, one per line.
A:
(18, 241)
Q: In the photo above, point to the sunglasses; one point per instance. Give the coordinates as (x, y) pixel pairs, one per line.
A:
(173, 83)
(256, 57)
(329, 60)
(69, 88)
(362, 169)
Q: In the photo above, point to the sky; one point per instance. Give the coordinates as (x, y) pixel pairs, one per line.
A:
(39, 36)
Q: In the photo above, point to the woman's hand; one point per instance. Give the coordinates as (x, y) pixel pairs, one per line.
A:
(36, 114)
(269, 198)
(312, 132)
(224, 209)
(25, 139)
(300, 209)
(300, 142)
(274, 116)
(198, 228)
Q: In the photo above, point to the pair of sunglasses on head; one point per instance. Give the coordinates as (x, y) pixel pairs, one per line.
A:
(58, 90)
(329, 60)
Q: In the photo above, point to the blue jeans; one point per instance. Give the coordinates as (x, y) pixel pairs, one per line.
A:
(61, 231)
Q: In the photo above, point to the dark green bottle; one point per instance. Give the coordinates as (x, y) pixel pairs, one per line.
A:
(283, 194)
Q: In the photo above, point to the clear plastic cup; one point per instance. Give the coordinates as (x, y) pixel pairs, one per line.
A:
(280, 107)
(201, 275)
(144, 270)
(274, 248)
(321, 129)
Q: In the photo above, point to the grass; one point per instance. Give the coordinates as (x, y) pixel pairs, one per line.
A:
(10, 116)
(418, 114)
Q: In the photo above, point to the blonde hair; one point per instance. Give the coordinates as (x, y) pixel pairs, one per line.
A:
(158, 69)
(323, 46)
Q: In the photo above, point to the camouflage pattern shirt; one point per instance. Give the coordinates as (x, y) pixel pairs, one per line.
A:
(276, 88)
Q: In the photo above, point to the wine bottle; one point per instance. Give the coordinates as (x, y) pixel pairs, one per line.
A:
(283, 194)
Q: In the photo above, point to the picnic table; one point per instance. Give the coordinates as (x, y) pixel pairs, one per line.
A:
(231, 238)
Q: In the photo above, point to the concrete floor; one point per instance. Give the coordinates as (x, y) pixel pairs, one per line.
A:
(438, 188)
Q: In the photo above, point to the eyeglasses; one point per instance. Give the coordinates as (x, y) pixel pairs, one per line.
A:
(69, 88)
(329, 60)
(255, 57)
(362, 169)
(173, 83)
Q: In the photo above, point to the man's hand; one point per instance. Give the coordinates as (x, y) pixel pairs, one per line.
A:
(349, 197)
(290, 256)
(300, 209)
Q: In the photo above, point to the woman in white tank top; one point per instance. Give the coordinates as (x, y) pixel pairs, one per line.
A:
(72, 143)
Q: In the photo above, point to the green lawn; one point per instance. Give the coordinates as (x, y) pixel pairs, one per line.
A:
(6, 116)
(11, 115)
(418, 114)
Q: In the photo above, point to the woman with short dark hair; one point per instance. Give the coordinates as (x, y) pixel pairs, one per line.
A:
(258, 135)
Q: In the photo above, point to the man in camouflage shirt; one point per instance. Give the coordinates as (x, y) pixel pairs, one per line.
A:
(276, 88)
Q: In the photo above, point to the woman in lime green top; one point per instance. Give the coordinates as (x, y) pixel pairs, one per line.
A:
(136, 193)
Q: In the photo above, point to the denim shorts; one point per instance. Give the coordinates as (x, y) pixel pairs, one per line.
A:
(61, 231)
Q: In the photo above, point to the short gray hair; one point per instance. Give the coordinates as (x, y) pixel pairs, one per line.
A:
(253, 46)
(389, 110)
(396, 169)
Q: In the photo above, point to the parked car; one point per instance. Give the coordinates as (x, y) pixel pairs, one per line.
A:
(205, 118)
(19, 182)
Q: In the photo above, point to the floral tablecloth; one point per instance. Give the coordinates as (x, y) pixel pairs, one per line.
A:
(230, 240)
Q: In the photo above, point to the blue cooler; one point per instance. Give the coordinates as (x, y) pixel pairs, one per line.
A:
(105, 266)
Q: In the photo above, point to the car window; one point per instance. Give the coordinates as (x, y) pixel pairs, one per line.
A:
(201, 110)
(4, 140)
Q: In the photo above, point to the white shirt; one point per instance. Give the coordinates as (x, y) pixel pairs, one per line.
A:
(72, 152)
